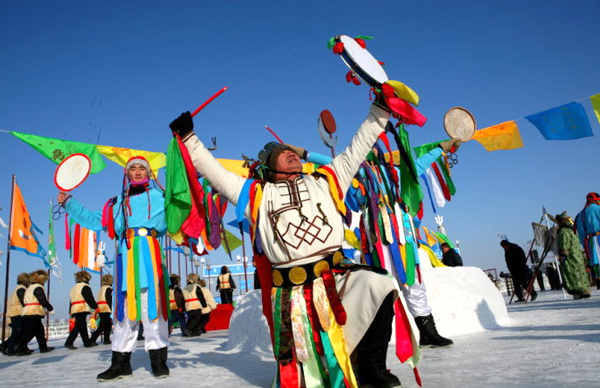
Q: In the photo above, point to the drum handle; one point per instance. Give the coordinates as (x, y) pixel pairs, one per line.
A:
(217, 94)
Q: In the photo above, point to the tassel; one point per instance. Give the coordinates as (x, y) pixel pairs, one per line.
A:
(338, 48)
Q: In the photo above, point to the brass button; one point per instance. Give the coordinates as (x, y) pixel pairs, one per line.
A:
(130, 233)
(298, 275)
(321, 266)
(277, 278)
(337, 258)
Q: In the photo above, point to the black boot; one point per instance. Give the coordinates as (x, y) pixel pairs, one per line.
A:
(373, 373)
(120, 368)
(429, 335)
(158, 361)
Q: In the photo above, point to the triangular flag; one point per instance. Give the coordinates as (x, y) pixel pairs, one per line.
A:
(503, 136)
(232, 240)
(566, 122)
(120, 156)
(57, 150)
(52, 256)
(23, 232)
(596, 105)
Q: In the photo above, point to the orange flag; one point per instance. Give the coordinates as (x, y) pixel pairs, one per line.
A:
(23, 231)
(505, 136)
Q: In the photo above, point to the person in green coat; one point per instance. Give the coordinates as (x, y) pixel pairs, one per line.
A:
(571, 258)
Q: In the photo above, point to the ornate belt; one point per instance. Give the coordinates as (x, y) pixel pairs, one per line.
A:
(305, 273)
(143, 232)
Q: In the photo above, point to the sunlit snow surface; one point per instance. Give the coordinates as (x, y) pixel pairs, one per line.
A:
(551, 342)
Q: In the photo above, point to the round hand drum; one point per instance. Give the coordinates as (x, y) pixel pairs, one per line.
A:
(361, 62)
(459, 123)
(72, 172)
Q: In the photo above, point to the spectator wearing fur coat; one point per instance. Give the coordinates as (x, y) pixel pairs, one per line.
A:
(104, 309)
(34, 310)
(210, 301)
(177, 305)
(13, 313)
(195, 303)
(82, 303)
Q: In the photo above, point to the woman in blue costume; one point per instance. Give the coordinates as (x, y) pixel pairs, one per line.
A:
(136, 218)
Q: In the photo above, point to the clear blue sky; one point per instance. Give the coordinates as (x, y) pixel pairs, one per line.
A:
(117, 73)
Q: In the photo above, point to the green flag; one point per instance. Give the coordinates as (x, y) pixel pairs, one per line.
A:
(52, 257)
(178, 199)
(596, 105)
(232, 241)
(57, 150)
(410, 189)
(425, 148)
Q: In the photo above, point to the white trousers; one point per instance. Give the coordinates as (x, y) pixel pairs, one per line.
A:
(415, 295)
(125, 333)
(416, 299)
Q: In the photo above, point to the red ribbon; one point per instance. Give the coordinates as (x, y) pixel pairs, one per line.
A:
(402, 108)
(440, 179)
(334, 297)
(314, 320)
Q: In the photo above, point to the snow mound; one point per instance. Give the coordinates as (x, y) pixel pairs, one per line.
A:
(248, 328)
(463, 300)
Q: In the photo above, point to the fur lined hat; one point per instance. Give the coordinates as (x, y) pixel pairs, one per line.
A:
(107, 280)
(138, 160)
(40, 276)
(82, 276)
(174, 280)
(562, 219)
(23, 278)
(193, 278)
(202, 283)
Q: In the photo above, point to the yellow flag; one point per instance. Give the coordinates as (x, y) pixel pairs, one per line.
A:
(505, 136)
(596, 105)
(120, 156)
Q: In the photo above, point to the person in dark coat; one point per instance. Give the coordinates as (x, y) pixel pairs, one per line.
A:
(13, 312)
(451, 258)
(104, 309)
(177, 305)
(516, 261)
(34, 311)
(225, 285)
(256, 278)
(82, 304)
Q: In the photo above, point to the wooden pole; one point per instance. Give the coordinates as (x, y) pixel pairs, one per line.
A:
(12, 195)
(47, 313)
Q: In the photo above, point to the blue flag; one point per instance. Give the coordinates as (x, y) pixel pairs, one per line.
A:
(566, 122)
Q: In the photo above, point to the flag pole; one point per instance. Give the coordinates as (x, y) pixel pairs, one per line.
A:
(47, 313)
(12, 196)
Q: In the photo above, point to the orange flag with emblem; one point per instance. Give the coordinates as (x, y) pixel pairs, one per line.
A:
(23, 231)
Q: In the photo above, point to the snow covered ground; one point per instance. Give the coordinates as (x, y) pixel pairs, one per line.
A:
(551, 342)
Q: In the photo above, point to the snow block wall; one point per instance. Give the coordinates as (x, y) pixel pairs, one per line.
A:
(463, 301)
(248, 328)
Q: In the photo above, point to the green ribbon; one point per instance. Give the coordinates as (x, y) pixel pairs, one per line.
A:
(336, 376)
(313, 370)
(277, 322)
(136, 270)
(331, 43)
